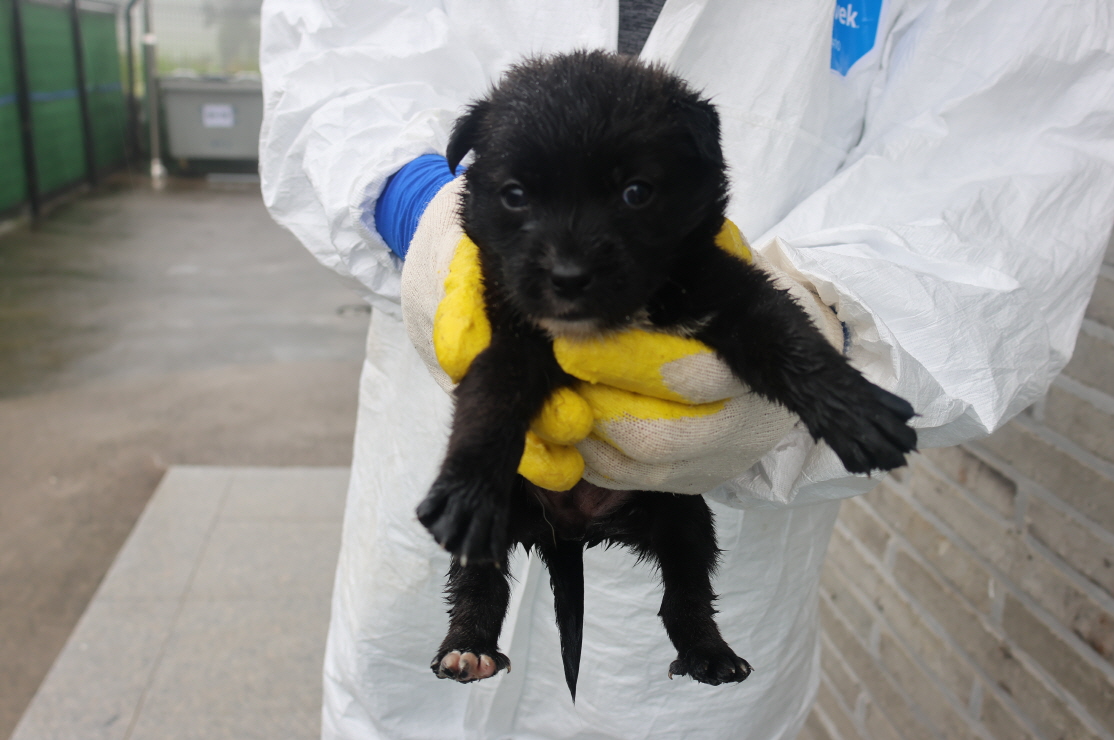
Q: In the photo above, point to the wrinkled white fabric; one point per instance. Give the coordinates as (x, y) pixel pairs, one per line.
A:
(950, 196)
(388, 612)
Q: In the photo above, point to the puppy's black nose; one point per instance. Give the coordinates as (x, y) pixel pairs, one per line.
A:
(569, 280)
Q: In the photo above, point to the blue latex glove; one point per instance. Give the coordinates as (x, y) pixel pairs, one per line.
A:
(404, 199)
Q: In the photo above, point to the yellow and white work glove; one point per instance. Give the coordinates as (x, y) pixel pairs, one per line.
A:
(651, 411)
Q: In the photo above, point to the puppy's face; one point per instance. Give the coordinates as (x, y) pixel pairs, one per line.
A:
(592, 172)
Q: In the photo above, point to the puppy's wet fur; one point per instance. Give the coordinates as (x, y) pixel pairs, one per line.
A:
(596, 193)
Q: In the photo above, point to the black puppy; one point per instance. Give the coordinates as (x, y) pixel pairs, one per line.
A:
(596, 194)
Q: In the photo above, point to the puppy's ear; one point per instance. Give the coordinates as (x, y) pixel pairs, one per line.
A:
(700, 119)
(466, 131)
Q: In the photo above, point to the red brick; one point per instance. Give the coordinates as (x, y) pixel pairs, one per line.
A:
(864, 526)
(1081, 422)
(836, 715)
(976, 477)
(1075, 542)
(875, 681)
(1045, 710)
(963, 571)
(814, 728)
(1087, 490)
(925, 693)
(1101, 307)
(1008, 550)
(1000, 720)
(878, 725)
(845, 684)
(904, 619)
(853, 611)
(1091, 363)
(1090, 686)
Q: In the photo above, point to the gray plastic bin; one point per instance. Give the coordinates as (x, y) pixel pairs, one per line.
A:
(212, 118)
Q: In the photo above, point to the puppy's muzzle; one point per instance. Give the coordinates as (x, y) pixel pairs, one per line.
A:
(570, 280)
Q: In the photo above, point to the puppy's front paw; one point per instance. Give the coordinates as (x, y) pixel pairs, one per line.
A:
(711, 664)
(467, 666)
(871, 431)
(466, 517)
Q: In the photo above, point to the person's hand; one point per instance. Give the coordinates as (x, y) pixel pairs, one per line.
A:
(652, 411)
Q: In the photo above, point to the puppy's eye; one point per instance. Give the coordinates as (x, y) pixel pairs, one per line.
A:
(513, 197)
(637, 194)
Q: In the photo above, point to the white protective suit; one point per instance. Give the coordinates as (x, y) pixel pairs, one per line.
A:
(950, 196)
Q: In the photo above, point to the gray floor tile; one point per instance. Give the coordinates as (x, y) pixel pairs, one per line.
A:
(305, 494)
(268, 560)
(211, 623)
(162, 551)
(234, 664)
(191, 489)
(95, 686)
(272, 725)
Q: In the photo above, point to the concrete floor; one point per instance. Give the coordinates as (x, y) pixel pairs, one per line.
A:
(211, 623)
(140, 330)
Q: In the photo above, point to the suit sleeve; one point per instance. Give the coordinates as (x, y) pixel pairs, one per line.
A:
(960, 240)
(355, 90)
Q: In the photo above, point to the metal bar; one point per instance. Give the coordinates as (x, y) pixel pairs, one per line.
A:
(158, 171)
(23, 97)
(133, 107)
(83, 96)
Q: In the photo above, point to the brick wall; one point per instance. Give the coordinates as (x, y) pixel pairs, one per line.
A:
(971, 595)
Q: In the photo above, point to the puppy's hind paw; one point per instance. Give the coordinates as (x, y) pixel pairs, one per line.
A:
(713, 665)
(466, 518)
(466, 666)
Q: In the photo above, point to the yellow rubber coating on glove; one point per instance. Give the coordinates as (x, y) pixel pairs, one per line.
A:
(555, 467)
(631, 360)
(461, 329)
(565, 419)
(731, 240)
(623, 371)
(609, 403)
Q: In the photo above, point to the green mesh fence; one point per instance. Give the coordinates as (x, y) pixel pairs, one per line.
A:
(56, 121)
(13, 185)
(105, 93)
(55, 109)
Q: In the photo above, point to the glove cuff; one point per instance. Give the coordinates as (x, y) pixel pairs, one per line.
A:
(822, 315)
(405, 197)
(424, 272)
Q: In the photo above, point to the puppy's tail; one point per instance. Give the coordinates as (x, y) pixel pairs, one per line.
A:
(565, 560)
